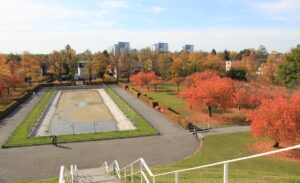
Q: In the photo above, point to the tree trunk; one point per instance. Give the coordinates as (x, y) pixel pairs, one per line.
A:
(239, 106)
(155, 88)
(8, 90)
(276, 145)
(177, 88)
(209, 111)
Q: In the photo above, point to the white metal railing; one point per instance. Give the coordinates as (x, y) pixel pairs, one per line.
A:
(68, 176)
(113, 168)
(225, 164)
(144, 170)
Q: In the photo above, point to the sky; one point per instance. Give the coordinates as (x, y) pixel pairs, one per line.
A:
(41, 26)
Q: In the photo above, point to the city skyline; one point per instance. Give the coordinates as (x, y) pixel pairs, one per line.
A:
(43, 26)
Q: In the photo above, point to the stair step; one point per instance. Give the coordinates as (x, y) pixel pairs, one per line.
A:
(95, 175)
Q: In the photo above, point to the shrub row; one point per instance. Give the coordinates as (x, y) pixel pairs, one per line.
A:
(18, 101)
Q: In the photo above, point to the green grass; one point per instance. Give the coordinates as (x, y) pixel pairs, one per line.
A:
(229, 146)
(52, 180)
(19, 137)
(166, 96)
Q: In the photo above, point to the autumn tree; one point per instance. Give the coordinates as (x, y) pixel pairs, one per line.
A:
(164, 65)
(101, 63)
(2, 86)
(13, 62)
(214, 62)
(241, 94)
(194, 61)
(90, 64)
(4, 68)
(192, 80)
(57, 64)
(144, 79)
(15, 81)
(70, 61)
(145, 58)
(30, 67)
(212, 91)
(277, 119)
(178, 80)
(295, 102)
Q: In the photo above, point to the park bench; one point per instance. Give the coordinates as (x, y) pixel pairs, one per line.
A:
(195, 129)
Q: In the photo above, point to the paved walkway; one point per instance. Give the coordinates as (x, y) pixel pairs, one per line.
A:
(225, 130)
(37, 162)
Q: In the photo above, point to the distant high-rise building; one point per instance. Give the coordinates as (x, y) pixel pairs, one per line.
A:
(160, 47)
(188, 48)
(121, 48)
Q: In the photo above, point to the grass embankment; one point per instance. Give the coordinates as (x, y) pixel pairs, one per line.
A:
(224, 147)
(19, 137)
(229, 146)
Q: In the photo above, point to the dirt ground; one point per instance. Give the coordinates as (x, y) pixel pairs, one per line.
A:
(81, 106)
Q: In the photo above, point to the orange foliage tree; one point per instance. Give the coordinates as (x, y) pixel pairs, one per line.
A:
(30, 66)
(277, 119)
(2, 87)
(193, 79)
(15, 81)
(209, 89)
(144, 79)
(241, 95)
(178, 81)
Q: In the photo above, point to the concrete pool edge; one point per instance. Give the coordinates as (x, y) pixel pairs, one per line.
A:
(45, 126)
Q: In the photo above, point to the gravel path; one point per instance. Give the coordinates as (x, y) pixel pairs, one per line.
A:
(37, 162)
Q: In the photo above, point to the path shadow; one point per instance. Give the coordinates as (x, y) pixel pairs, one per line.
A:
(63, 147)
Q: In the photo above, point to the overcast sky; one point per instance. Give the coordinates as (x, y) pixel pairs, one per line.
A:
(41, 26)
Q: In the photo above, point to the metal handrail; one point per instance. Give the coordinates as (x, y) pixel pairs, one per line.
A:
(105, 166)
(143, 165)
(67, 176)
(232, 160)
(61, 174)
(114, 166)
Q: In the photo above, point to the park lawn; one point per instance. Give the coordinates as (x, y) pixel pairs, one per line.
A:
(167, 95)
(20, 136)
(217, 148)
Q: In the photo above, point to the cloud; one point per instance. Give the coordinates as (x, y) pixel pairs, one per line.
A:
(32, 15)
(285, 10)
(158, 9)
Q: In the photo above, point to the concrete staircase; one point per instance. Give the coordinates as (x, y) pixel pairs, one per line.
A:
(95, 175)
